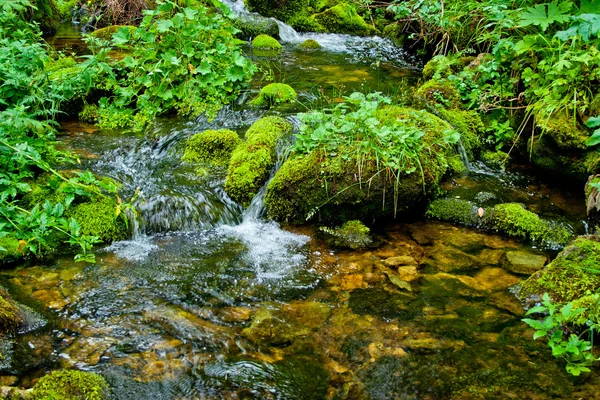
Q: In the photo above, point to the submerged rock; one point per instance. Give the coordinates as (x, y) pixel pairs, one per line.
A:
(524, 262)
(352, 234)
(309, 44)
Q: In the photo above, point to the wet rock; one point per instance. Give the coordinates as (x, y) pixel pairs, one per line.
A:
(400, 260)
(397, 281)
(51, 298)
(8, 392)
(456, 285)
(281, 326)
(496, 278)
(378, 302)
(69, 274)
(408, 273)
(448, 259)
(523, 262)
(507, 302)
(350, 282)
(235, 314)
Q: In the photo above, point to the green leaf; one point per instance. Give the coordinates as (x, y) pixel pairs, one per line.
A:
(594, 139)
(164, 25)
(537, 14)
(122, 36)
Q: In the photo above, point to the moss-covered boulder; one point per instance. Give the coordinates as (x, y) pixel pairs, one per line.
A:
(343, 18)
(211, 147)
(284, 10)
(439, 92)
(352, 234)
(309, 44)
(565, 163)
(565, 131)
(441, 67)
(252, 27)
(495, 159)
(275, 93)
(10, 315)
(11, 249)
(70, 385)
(252, 161)
(266, 42)
(569, 277)
(329, 185)
(509, 218)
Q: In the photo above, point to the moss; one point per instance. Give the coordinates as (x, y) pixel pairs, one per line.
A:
(13, 249)
(565, 131)
(284, 10)
(60, 63)
(568, 277)
(511, 219)
(565, 163)
(306, 23)
(10, 316)
(352, 234)
(211, 146)
(456, 164)
(89, 114)
(108, 32)
(395, 32)
(99, 218)
(251, 28)
(252, 160)
(309, 44)
(468, 123)
(330, 186)
(70, 385)
(439, 92)
(275, 93)
(495, 159)
(265, 42)
(441, 67)
(343, 18)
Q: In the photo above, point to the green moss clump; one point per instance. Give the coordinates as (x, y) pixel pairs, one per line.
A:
(211, 146)
(108, 32)
(266, 42)
(441, 67)
(453, 210)
(11, 249)
(343, 18)
(99, 218)
(309, 44)
(252, 160)
(251, 28)
(495, 159)
(456, 164)
(565, 131)
(330, 186)
(468, 123)
(568, 277)
(275, 93)
(566, 163)
(509, 218)
(352, 234)
(286, 10)
(439, 92)
(89, 114)
(70, 385)
(10, 316)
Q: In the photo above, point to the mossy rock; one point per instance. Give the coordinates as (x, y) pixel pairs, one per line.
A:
(331, 187)
(343, 18)
(511, 219)
(266, 42)
(11, 249)
(274, 93)
(566, 163)
(284, 10)
(211, 147)
(495, 159)
(10, 315)
(441, 67)
(108, 32)
(309, 44)
(570, 276)
(70, 385)
(565, 131)
(252, 161)
(89, 114)
(468, 123)
(395, 32)
(251, 28)
(439, 93)
(98, 217)
(352, 234)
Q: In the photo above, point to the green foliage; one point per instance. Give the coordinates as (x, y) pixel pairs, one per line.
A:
(32, 93)
(575, 349)
(183, 59)
(252, 161)
(275, 93)
(594, 140)
(352, 234)
(210, 146)
(265, 42)
(70, 385)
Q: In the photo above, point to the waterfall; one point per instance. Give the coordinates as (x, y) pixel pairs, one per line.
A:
(463, 155)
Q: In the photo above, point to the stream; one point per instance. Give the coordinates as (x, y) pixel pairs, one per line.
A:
(211, 301)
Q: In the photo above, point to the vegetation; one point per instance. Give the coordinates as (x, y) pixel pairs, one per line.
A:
(211, 147)
(70, 385)
(352, 234)
(265, 42)
(309, 44)
(274, 93)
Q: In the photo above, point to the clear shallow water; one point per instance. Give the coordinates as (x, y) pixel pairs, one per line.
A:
(209, 302)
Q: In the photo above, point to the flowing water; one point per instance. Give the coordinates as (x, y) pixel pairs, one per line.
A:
(210, 301)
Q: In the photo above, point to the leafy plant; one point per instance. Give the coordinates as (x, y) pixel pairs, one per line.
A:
(594, 122)
(575, 349)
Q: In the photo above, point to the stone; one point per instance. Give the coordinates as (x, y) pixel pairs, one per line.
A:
(235, 314)
(400, 260)
(496, 278)
(408, 273)
(395, 279)
(524, 262)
